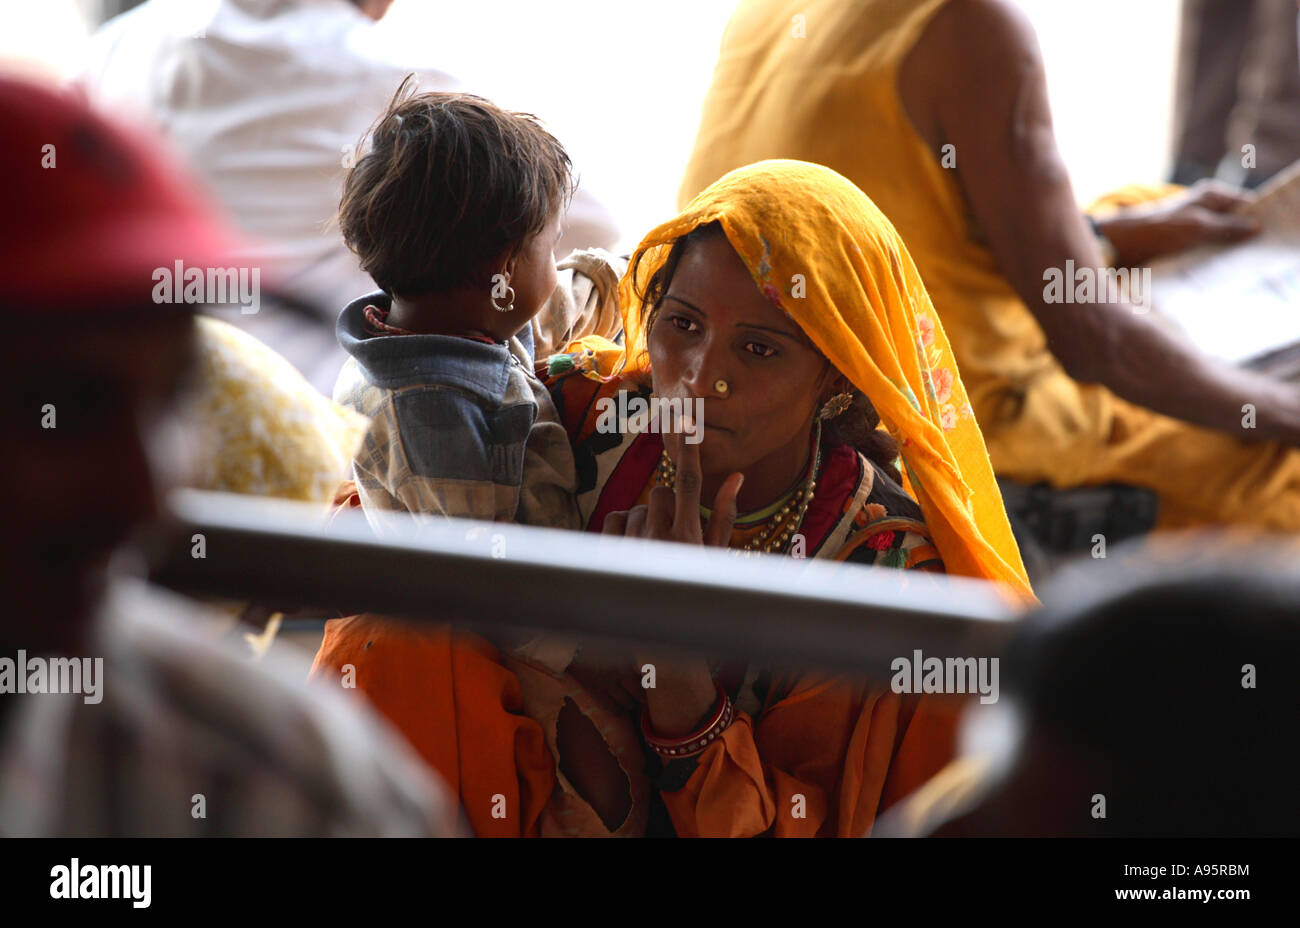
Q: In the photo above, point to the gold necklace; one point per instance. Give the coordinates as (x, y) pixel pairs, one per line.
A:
(781, 526)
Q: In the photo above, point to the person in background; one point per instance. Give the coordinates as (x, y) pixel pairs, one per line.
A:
(1153, 701)
(269, 100)
(938, 110)
(1238, 85)
(182, 735)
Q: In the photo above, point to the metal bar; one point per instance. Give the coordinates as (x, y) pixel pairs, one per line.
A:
(778, 610)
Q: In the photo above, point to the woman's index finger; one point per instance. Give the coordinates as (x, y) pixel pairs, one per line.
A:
(687, 512)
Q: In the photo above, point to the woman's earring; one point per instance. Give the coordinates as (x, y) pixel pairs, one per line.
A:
(501, 288)
(835, 405)
(721, 386)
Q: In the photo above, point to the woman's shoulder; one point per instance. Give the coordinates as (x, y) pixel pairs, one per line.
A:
(889, 530)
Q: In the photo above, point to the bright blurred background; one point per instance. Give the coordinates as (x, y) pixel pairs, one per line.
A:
(621, 84)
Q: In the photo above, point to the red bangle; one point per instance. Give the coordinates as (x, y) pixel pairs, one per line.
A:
(694, 743)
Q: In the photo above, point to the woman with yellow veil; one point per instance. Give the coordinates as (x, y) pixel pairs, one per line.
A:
(784, 301)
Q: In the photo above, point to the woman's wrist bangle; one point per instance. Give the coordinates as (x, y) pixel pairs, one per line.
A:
(696, 742)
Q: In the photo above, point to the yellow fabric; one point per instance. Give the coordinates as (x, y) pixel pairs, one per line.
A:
(1132, 195)
(819, 249)
(262, 429)
(831, 97)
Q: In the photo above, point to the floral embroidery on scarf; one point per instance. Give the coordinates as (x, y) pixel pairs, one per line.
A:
(937, 379)
(942, 381)
(926, 326)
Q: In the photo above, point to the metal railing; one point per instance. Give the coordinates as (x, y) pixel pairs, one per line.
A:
(778, 610)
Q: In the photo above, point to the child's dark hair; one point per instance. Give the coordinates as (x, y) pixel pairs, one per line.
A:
(855, 426)
(450, 183)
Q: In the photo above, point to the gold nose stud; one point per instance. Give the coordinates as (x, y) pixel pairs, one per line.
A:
(721, 386)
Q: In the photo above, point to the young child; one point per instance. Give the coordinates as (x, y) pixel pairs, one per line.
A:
(455, 211)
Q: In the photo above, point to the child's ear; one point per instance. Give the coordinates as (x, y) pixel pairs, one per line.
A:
(507, 266)
(506, 270)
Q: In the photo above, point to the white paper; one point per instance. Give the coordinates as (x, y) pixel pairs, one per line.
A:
(1240, 302)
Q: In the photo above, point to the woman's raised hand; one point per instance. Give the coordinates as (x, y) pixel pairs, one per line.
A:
(674, 515)
(684, 689)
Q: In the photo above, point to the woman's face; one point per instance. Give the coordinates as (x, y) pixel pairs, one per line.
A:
(714, 323)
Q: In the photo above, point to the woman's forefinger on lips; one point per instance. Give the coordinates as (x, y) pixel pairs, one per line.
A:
(659, 521)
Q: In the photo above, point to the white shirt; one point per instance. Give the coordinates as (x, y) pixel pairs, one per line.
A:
(267, 98)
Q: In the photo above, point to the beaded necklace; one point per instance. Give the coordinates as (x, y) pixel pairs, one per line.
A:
(785, 522)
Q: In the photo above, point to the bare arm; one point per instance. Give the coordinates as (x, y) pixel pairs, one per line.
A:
(990, 100)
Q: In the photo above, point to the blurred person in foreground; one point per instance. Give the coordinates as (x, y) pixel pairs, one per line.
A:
(175, 734)
(938, 111)
(269, 100)
(1150, 702)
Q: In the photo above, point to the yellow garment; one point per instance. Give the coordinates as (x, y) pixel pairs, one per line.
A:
(831, 98)
(262, 429)
(820, 250)
(817, 80)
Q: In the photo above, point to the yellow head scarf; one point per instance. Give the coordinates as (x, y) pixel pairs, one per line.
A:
(818, 248)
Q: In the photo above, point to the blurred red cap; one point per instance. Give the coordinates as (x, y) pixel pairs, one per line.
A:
(92, 209)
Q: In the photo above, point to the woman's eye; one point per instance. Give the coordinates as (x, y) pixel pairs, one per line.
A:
(763, 351)
(681, 322)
